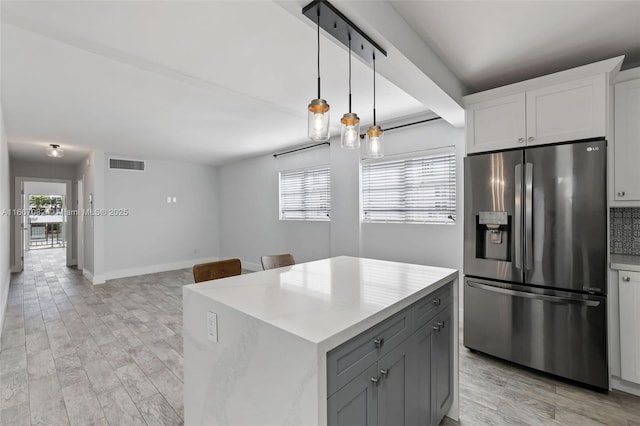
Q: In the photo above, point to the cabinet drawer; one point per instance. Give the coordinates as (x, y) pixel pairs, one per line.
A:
(426, 308)
(348, 360)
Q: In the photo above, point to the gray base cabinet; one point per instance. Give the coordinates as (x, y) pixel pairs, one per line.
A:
(407, 382)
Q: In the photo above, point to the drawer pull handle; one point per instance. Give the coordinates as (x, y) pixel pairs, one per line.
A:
(375, 380)
(437, 302)
(531, 138)
(626, 279)
(520, 140)
(378, 342)
(441, 324)
(436, 327)
(621, 193)
(384, 372)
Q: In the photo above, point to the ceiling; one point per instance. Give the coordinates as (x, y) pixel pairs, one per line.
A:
(488, 44)
(214, 82)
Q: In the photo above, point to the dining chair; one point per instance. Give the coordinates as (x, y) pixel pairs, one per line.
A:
(277, 261)
(218, 269)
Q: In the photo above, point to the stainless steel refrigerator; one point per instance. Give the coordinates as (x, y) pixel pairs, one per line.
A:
(535, 287)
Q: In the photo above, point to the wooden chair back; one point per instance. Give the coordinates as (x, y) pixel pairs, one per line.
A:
(218, 269)
(273, 261)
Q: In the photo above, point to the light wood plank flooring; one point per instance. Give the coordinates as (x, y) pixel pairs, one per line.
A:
(74, 353)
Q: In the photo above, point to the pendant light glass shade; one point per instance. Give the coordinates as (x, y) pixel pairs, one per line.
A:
(374, 142)
(375, 132)
(319, 120)
(350, 134)
(318, 108)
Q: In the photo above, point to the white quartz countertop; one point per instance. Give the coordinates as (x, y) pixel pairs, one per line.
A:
(625, 262)
(327, 301)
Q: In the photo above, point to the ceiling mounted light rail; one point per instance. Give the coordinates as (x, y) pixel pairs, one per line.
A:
(325, 15)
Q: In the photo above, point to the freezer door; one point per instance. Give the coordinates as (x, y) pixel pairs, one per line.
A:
(565, 210)
(493, 223)
(553, 331)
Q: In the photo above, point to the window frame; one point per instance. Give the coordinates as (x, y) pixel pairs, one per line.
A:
(415, 155)
(304, 171)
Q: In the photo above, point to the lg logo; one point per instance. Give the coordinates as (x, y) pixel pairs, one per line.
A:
(593, 148)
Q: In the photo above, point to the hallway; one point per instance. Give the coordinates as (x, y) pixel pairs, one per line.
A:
(74, 353)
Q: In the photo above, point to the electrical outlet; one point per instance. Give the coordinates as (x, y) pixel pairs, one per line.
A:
(212, 326)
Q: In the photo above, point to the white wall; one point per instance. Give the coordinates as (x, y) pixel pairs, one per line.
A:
(5, 222)
(437, 245)
(249, 208)
(156, 235)
(250, 225)
(86, 170)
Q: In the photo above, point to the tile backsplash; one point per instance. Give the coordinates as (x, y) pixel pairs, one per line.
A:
(625, 231)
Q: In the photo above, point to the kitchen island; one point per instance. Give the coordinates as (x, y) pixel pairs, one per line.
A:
(337, 341)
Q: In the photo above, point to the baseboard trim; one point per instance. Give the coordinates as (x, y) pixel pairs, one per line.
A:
(93, 279)
(152, 269)
(625, 386)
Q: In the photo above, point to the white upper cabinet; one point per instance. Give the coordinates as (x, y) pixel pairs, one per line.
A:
(626, 154)
(559, 113)
(567, 112)
(496, 124)
(565, 106)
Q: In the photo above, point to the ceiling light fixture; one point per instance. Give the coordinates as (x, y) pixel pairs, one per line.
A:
(350, 134)
(318, 108)
(325, 15)
(375, 132)
(55, 151)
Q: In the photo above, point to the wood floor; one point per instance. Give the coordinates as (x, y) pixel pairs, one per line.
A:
(74, 353)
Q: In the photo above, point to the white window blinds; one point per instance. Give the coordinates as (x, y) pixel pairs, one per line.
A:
(305, 194)
(419, 189)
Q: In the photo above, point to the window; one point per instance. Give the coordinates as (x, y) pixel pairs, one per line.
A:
(419, 189)
(305, 194)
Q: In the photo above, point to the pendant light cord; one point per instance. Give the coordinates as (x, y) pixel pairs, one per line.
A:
(349, 34)
(318, 51)
(374, 88)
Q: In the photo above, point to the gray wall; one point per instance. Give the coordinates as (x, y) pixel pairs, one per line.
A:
(157, 235)
(5, 222)
(249, 208)
(249, 202)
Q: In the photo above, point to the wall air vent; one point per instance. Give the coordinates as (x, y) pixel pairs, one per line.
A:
(116, 163)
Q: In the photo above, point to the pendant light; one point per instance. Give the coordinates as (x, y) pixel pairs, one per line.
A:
(318, 108)
(55, 151)
(375, 132)
(350, 134)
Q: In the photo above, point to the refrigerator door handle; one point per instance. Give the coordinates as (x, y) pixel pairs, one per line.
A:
(526, 295)
(528, 218)
(518, 216)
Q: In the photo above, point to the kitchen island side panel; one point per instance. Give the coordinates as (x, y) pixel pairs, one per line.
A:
(254, 374)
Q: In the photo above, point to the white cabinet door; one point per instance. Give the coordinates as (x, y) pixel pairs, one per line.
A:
(629, 283)
(567, 112)
(627, 141)
(496, 124)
